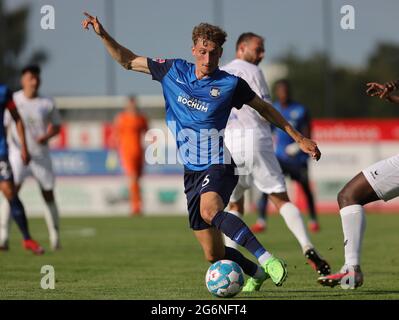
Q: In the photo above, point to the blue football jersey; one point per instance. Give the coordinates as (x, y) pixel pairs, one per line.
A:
(297, 115)
(5, 100)
(197, 110)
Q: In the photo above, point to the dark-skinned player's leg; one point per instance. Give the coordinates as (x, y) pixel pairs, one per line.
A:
(357, 191)
(351, 199)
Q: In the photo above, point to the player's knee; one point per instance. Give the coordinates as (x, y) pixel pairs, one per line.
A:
(345, 198)
(8, 191)
(207, 214)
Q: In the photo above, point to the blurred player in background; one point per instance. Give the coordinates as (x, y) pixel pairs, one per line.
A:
(262, 167)
(42, 122)
(380, 181)
(6, 177)
(293, 161)
(129, 127)
(198, 101)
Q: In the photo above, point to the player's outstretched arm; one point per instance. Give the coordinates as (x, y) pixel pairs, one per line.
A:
(393, 98)
(122, 55)
(267, 111)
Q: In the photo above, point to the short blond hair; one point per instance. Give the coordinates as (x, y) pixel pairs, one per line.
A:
(209, 32)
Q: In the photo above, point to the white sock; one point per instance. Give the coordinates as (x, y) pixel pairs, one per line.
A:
(227, 241)
(5, 221)
(293, 219)
(52, 220)
(264, 257)
(353, 226)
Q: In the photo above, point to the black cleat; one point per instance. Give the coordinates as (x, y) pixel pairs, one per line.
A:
(318, 264)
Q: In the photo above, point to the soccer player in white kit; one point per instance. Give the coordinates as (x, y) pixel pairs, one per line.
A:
(380, 181)
(249, 139)
(42, 122)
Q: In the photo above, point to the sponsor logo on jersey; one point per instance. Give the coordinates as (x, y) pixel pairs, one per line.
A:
(215, 92)
(159, 60)
(193, 103)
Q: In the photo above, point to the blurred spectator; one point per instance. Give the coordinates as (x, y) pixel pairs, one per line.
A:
(129, 126)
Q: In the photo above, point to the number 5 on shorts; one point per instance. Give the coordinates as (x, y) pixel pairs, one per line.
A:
(205, 181)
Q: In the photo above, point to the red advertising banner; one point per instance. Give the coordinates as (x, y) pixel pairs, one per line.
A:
(350, 130)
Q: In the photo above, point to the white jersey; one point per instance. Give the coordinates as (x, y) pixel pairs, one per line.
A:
(249, 139)
(36, 114)
(247, 117)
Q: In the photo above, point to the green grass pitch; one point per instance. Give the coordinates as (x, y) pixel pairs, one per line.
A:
(159, 258)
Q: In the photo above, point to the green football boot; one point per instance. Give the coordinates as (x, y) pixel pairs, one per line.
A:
(274, 268)
(253, 284)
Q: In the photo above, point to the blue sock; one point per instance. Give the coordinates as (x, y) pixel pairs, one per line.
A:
(18, 214)
(247, 265)
(238, 231)
(262, 205)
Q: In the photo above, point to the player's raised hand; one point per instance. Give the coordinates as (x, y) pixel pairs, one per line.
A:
(374, 89)
(380, 90)
(310, 147)
(93, 21)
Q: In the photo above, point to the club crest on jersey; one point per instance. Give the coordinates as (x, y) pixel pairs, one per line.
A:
(294, 114)
(215, 92)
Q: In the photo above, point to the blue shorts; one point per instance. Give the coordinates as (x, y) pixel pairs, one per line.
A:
(296, 171)
(219, 178)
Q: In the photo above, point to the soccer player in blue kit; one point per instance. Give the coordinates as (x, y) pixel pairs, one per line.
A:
(6, 178)
(198, 101)
(293, 162)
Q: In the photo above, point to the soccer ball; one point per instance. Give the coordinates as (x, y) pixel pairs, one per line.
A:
(224, 279)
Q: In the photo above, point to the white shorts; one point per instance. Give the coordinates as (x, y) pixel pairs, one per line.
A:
(40, 168)
(265, 173)
(383, 177)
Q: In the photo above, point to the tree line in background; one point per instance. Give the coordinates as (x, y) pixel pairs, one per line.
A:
(308, 79)
(307, 74)
(13, 38)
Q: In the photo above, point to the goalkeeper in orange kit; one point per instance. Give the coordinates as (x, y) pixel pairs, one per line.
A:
(129, 127)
